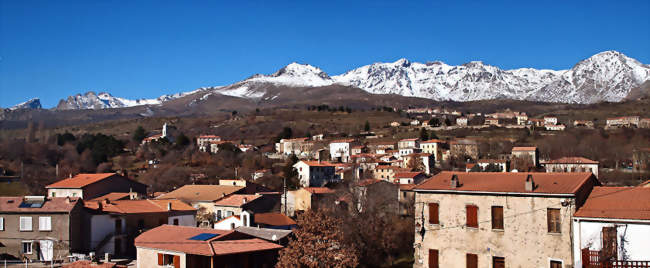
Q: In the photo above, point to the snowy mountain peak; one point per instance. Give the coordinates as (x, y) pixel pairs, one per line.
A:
(403, 62)
(34, 103)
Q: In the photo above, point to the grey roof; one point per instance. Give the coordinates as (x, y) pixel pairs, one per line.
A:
(264, 233)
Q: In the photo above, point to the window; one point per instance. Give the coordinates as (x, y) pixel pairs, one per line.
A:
(497, 217)
(498, 262)
(232, 226)
(553, 220)
(25, 223)
(556, 264)
(433, 258)
(472, 216)
(53, 194)
(433, 213)
(74, 194)
(169, 260)
(175, 221)
(27, 247)
(45, 223)
(2, 224)
(472, 260)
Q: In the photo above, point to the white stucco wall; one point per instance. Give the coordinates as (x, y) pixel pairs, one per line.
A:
(633, 239)
(148, 258)
(225, 224)
(340, 149)
(65, 192)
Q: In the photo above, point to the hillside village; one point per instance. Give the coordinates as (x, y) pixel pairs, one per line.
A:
(422, 187)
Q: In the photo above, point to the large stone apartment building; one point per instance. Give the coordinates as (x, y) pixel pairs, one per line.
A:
(481, 219)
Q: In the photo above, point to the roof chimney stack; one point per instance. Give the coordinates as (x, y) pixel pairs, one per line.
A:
(454, 181)
(244, 200)
(169, 206)
(530, 184)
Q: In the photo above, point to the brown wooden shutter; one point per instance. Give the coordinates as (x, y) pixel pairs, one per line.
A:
(472, 216)
(553, 220)
(472, 260)
(433, 213)
(556, 264)
(177, 261)
(160, 259)
(433, 258)
(497, 217)
(498, 262)
(609, 248)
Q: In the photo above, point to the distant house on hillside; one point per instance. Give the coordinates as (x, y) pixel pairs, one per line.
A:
(203, 141)
(305, 199)
(529, 152)
(315, 173)
(571, 164)
(623, 121)
(89, 186)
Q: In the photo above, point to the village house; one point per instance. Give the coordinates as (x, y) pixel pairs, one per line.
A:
(202, 196)
(408, 144)
(415, 122)
(644, 123)
(277, 236)
(394, 124)
(522, 119)
(164, 134)
(383, 195)
(464, 148)
(492, 122)
(111, 226)
(480, 219)
(433, 147)
(203, 141)
(613, 225)
(235, 204)
(550, 120)
(418, 161)
(536, 122)
(340, 150)
(290, 146)
(529, 152)
(623, 121)
(304, 199)
(583, 123)
(186, 247)
(356, 150)
(315, 173)
(571, 164)
(413, 177)
(558, 127)
(461, 121)
(501, 164)
(641, 159)
(41, 228)
(387, 173)
(89, 186)
(406, 199)
(273, 220)
(260, 173)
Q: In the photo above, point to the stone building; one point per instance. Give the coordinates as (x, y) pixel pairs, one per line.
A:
(571, 164)
(464, 148)
(480, 219)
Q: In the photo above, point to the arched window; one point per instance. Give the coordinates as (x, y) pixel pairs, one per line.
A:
(245, 220)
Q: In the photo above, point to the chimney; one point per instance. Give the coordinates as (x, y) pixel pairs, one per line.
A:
(107, 257)
(244, 200)
(67, 200)
(106, 201)
(70, 175)
(454, 181)
(99, 205)
(530, 184)
(169, 206)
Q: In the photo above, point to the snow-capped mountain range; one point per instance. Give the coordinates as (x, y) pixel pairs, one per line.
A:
(606, 76)
(34, 103)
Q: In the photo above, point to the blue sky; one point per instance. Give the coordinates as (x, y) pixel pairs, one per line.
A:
(143, 49)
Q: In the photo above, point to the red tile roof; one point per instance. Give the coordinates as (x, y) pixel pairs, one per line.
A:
(273, 219)
(367, 182)
(571, 160)
(89, 264)
(209, 137)
(236, 200)
(432, 141)
(199, 192)
(406, 187)
(409, 175)
(318, 164)
(631, 203)
(319, 190)
(112, 196)
(139, 206)
(491, 161)
(530, 148)
(501, 182)
(177, 238)
(51, 204)
(80, 180)
(342, 141)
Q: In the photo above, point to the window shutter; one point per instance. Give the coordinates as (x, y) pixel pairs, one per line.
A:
(41, 223)
(553, 220)
(472, 260)
(433, 213)
(177, 261)
(2, 224)
(160, 259)
(433, 258)
(472, 217)
(497, 217)
(25, 223)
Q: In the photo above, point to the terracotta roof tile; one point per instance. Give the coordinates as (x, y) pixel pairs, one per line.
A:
(177, 238)
(318, 164)
(406, 187)
(492, 161)
(112, 196)
(319, 190)
(273, 219)
(89, 264)
(80, 180)
(236, 200)
(51, 204)
(139, 206)
(432, 141)
(617, 203)
(197, 192)
(530, 148)
(409, 175)
(342, 141)
(500, 182)
(571, 160)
